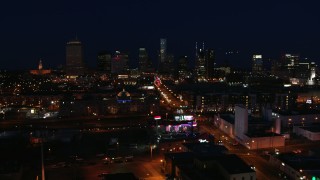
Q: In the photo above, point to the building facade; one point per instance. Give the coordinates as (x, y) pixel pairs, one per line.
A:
(104, 62)
(74, 58)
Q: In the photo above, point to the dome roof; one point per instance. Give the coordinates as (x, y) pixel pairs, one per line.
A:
(123, 95)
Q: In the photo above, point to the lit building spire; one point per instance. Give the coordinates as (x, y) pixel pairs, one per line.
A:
(40, 65)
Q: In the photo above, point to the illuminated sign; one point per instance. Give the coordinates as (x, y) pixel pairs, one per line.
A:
(203, 141)
(184, 118)
(147, 87)
(194, 124)
(257, 56)
(309, 101)
(157, 117)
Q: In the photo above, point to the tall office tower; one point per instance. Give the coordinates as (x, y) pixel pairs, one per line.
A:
(200, 67)
(290, 59)
(169, 65)
(209, 63)
(119, 63)
(275, 67)
(162, 55)
(144, 64)
(104, 62)
(74, 58)
(290, 63)
(257, 64)
(163, 50)
(311, 79)
(306, 70)
(182, 70)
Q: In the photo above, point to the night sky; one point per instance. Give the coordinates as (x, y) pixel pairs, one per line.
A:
(31, 30)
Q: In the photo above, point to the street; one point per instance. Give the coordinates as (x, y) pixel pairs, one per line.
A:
(264, 170)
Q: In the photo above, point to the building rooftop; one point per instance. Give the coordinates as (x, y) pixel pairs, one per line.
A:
(257, 134)
(314, 129)
(76, 41)
(228, 117)
(234, 165)
(300, 162)
(230, 162)
(191, 172)
(205, 148)
(297, 112)
(181, 157)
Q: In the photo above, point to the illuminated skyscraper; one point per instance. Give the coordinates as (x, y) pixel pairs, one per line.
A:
(163, 50)
(119, 63)
(209, 63)
(104, 62)
(162, 63)
(166, 61)
(290, 64)
(200, 69)
(290, 60)
(74, 58)
(204, 64)
(257, 64)
(182, 70)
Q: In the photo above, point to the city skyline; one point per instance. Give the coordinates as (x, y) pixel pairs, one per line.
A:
(38, 30)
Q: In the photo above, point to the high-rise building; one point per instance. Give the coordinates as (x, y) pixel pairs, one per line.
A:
(163, 56)
(290, 60)
(200, 68)
(257, 64)
(204, 63)
(169, 65)
(163, 50)
(119, 63)
(104, 62)
(289, 65)
(166, 61)
(209, 63)
(182, 70)
(144, 63)
(311, 80)
(306, 71)
(74, 58)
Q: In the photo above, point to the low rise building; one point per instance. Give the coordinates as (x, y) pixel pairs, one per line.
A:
(206, 161)
(297, 166)
(310, 132)
(252, 132)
